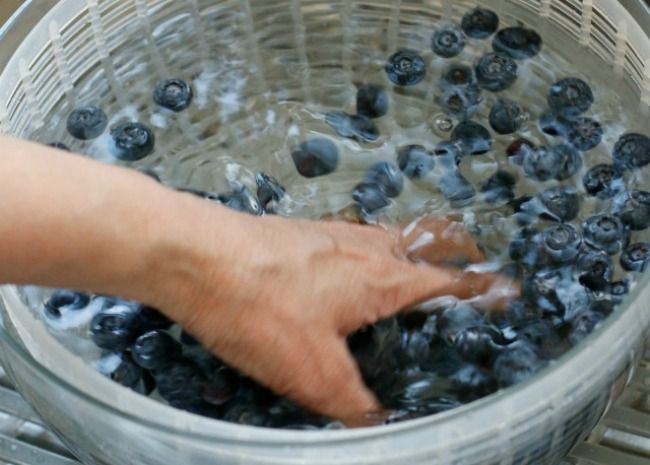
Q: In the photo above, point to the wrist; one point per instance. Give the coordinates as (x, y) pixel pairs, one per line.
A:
(190, 243)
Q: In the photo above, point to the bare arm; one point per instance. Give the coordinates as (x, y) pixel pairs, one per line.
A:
(273, 297)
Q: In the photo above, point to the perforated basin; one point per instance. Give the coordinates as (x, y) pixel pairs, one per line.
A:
(78, 54)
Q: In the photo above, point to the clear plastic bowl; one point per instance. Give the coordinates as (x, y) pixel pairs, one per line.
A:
(538, 422)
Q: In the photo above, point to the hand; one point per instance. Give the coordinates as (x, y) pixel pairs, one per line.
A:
(292, 292)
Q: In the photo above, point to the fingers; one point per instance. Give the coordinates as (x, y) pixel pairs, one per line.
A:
(439, 241)
(328, 382)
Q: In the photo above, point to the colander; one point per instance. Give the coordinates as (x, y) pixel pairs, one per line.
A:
(58, 54)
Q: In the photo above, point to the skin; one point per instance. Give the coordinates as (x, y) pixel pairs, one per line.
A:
(273, 297)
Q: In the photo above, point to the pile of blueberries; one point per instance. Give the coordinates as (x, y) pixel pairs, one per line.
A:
(420, 363)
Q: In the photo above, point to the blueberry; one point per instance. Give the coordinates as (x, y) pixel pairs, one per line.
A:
(406, 68)
(316, 157)
(415, 348)
(456, 188)
(570, 97)
(560, 203)
(457, 75)
(355, 127)
(542, 164)
(480, 23)
(553, 125)
(595, 269)
(570, 161)
(245, 414)
(132, 141)
(516, 365)
(448, 41)
(524, 248)
(561, 243)
(59, 146)
(372, 101)
(387, 176)
(517, 150)
(633, 208)
(155, 350)
(499, 187)
(415, 161)
(449, 154)
(517, 42)
(65, 300)
(461, 102)
(603, 181)
(120, 368)
(542, 335)
(455, 319)
(636, 257)
(618, 291)
(370, 197)
(474, 381)
(583, 325)
(241, 200)
(152, 319)
(507, 117)
(604, 232)
(496, 72)
(87, 123)
(268, 189)
(222, 387)
(632, 151)
(479, 344)
(585, 133)
(414, 390)
(474, 139)
(115, 328)
(181, 384)
(542, 290)
(173, 94)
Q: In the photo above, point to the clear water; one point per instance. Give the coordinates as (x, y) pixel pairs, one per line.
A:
(255, 100)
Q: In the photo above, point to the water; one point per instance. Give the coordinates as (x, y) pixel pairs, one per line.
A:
(264, 77)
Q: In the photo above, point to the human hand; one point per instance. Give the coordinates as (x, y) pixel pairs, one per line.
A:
(291, 292)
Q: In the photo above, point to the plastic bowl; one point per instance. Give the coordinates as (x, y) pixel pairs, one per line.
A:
(538, 422)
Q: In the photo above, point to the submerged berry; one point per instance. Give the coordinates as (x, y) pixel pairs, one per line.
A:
(174, 94)
(372, 101)
(570, 97)
(636, 257)
(604, 232)
(517, 42)
(507, 117)
(63, 300)
(480, 23)
(474, 139)
(406, 68)
(132, 141)
(632, 151)
(603, 181)
(415, 161)
(496, 72)
(87, 123)
(356, 127)
(448, 41)
(633, 208)
(585, 134)
(316, 157)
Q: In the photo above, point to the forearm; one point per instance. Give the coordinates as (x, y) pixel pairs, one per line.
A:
(67, 221)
